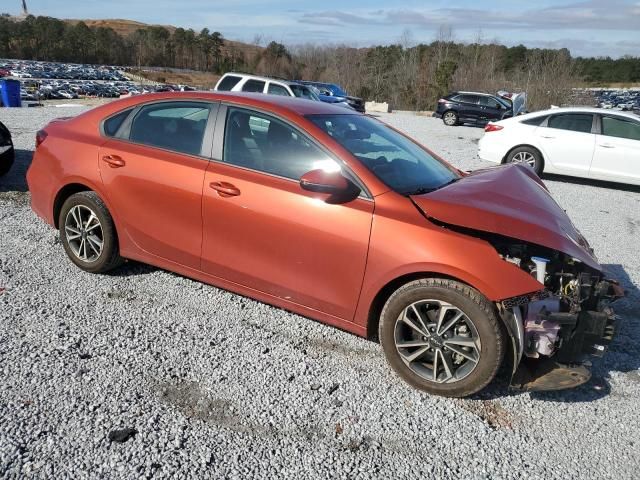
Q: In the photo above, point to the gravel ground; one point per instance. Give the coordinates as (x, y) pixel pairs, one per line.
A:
(217, 385)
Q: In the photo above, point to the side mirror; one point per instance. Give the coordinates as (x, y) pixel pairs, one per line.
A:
(321, 181)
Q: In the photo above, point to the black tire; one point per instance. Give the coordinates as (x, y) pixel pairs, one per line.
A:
(6, 161)
(480, 311)
(450, 118)
(522, 154)
(109, 256)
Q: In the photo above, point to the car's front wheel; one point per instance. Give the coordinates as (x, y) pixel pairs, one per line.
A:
(442, 336)
(450, 118)
(88, 234)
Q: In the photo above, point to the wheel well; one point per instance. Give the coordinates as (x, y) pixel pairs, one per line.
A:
(504, 159)
(62, 196)
(383, 295)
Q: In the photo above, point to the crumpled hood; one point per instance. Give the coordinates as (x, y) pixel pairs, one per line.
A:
(511, 201)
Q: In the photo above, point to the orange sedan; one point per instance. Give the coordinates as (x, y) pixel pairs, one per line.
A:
(338, 217)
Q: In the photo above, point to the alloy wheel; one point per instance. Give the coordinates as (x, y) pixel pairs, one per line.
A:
(437, 341)
(83, 232)
(524, 157)
(450, 118)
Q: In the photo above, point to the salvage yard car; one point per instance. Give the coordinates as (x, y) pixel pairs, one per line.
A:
(581, 142)
(7, 152)
(338, 217)
(458, 108)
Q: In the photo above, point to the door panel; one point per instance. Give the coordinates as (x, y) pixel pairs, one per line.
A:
(279, 239)
(158, 197)
(567, 143)
(616, 159)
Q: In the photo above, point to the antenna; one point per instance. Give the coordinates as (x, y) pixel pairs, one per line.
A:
(25, 12)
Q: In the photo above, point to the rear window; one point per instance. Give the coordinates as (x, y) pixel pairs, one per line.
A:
(112, 125)
(253, 86)
(575, 122)
(228, 83)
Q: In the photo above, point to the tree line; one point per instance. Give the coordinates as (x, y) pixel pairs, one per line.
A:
(405, 74)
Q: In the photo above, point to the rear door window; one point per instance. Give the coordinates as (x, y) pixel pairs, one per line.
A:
(469, 99)
(228, 83)
(575, 122)
(621, 128)
(253, 86)
(275, 89)
(177, 126)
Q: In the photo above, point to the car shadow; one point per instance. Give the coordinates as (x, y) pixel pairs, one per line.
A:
(591, 182)
(16, 179)
(623, 355)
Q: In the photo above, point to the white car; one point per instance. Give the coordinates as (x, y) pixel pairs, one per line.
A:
(581, 142)
(242, 82)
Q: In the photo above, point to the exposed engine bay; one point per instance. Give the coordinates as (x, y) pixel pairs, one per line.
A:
(557, 328)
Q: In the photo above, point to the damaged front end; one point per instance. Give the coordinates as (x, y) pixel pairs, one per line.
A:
(555, 330)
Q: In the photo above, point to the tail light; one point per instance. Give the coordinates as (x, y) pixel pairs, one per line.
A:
(41, 135)
(442, 100)
(492, 127)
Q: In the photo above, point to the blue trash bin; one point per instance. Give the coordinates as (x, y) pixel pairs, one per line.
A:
(10, 92)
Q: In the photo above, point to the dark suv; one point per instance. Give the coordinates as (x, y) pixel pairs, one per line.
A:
(471, 107)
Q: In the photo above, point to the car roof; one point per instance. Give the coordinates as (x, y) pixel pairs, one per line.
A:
(472, 93)
(258, 77)
(295, 105)
(592, 110)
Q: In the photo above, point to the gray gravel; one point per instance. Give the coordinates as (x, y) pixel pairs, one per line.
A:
(217, 385)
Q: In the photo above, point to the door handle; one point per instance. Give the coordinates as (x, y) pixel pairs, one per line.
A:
(607, 145)
(114, 161)
(547, 136)
(225, 189)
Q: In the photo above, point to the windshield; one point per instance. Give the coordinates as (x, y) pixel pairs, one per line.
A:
(336, 90)
(397, 161)
(302, 91)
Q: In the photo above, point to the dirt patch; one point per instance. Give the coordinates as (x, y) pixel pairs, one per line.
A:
(490, 412)
(189, 398)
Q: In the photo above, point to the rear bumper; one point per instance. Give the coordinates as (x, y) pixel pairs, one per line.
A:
(490, 150)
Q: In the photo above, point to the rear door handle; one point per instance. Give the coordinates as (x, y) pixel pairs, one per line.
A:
(225, 189)
(114, 161)
(607, 145)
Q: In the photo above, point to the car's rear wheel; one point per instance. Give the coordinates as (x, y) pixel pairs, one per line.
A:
(527, 156)
(442, 336)
(450, 118)
(88, 234)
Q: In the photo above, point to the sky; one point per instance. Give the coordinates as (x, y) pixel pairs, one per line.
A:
(586, 28)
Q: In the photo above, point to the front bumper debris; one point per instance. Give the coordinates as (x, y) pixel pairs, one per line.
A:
(576, 336)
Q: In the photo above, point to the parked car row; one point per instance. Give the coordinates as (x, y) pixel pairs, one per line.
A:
(316, 91)
(54, 70)
(623, 99)
(68, 89)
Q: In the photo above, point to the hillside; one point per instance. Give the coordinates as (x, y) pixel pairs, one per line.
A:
(125, 28)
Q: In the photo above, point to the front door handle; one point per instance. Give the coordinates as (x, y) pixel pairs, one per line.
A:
(114, 161)
(225, 189)
(547, 136)
(607, 145)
